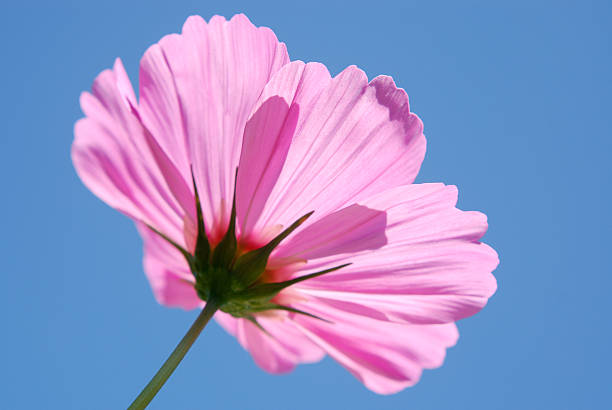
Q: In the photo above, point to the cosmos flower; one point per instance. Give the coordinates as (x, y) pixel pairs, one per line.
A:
(285, 196)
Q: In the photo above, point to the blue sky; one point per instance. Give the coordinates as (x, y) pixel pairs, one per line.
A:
(515, 97)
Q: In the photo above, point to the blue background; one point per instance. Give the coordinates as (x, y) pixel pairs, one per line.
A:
(515, 97)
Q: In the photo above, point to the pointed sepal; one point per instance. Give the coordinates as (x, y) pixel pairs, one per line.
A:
(224, 253)
(202, 248)
(267, 291)
(250, 266)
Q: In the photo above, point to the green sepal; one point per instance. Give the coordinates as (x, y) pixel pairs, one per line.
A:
(247, 310)
(267, 291)
(202, 248)
(250, 266)
(224, 253)
(211, 282)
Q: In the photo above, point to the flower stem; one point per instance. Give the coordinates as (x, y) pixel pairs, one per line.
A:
(156, 383)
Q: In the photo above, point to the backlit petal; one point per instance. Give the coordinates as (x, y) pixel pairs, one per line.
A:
(113, 158)
(352, 140)
(277, 350)
(269, 134)
(198, 91)
(387, 357)
(432, 270)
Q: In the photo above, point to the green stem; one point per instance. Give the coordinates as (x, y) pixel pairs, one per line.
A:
(156, 383)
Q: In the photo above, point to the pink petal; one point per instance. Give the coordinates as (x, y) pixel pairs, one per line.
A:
(352, 140)
(433, 269)
(266, 351)
(300, 349)
(387, 357)
(168, 272)
(159, 105)
(159, 113)
(198, 91)
(269, 133)
(279, 350)
(113, 158)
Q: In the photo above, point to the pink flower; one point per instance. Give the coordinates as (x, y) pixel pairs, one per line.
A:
(223, 96)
